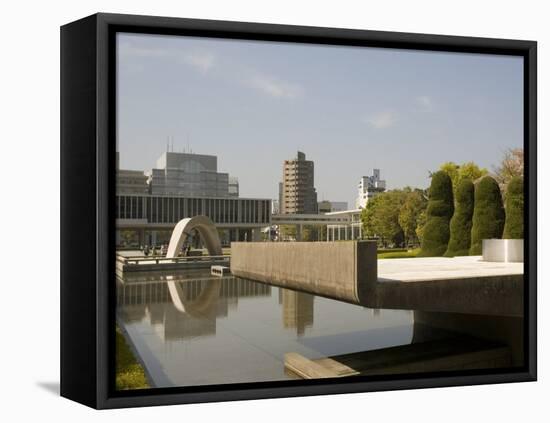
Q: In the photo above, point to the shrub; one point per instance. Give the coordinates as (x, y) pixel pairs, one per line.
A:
(488, 220)
(438, 214)
(513, 226)
(461, 223)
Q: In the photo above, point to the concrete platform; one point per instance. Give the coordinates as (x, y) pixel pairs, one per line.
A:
(349, 271)
(451, 285)
(442, 268)
(127, 263)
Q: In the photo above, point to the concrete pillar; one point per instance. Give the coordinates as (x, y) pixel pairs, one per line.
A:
(141, 236)
(298, 232)
(153, 237)
(118, 238)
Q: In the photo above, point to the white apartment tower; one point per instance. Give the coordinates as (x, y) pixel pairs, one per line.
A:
(369, 186)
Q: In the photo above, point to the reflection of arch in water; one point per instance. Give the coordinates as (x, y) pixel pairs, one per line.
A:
(206, 229)
(202, 305)
(209, 235)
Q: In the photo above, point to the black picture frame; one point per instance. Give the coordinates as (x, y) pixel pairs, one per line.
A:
(87, 192)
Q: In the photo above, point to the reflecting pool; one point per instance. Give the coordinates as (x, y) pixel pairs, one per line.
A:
(193, 329)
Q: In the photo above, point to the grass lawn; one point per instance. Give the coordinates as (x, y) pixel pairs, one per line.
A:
(398, 254)
(129, 373)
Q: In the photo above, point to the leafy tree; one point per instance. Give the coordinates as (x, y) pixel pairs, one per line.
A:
(438, 214)
(310, 233)
(380, 217)
(420, 224)
(488, 218)
(470, 171)
(457, 173)
(461, 222)
(510, 166)
(129, 237)
(451, 169)
(414, 205)
(513, 226)
(287, 231)
(323, 233)
(394, 216)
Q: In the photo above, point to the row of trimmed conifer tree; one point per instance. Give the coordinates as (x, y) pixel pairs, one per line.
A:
(457, 226)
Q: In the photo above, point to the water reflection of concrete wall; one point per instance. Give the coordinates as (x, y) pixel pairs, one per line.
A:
(146, 298)
(297, 310)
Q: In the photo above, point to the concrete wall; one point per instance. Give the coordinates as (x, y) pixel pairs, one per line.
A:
(341, 270)
(349, 271)
(487, 295)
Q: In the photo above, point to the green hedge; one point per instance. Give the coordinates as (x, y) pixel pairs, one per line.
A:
(398, 254)
(438, 214)
(513, 226)
(461, 223)
(488, 220)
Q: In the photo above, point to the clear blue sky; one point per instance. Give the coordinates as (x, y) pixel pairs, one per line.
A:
(350, 109)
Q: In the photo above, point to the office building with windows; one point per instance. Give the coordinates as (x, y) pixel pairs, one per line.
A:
(369, 186)
(233, 186)
(131, 182)
(190, 175)
(237, 219)
(298, 194)
(326, 206)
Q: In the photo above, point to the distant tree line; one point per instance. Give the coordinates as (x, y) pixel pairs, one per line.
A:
(394, 216)
(463, 206)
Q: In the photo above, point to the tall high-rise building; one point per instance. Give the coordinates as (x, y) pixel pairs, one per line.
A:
(369, 186)
(298, 190)
(192, 175)
(297, 310)
(280, 199)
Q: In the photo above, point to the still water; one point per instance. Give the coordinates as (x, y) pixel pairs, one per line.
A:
(196, 329)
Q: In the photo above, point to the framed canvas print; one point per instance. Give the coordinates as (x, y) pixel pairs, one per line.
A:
(258, 211)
